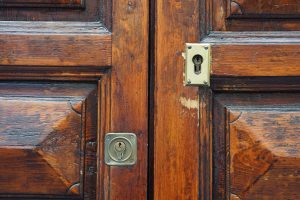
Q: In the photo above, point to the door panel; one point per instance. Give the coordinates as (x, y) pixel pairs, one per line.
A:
(256, 145)
(42, 3)
(49, 10)
(263, 9)
(236, 138)
(43, 135)
(91, 90)
(258, 15)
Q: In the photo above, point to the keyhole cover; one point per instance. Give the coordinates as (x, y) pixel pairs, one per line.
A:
(120, 149)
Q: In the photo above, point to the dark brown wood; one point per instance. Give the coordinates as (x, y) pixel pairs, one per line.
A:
(53, 10)
(43, 136)
(258, 15)
(256, 146)
(263, 9)
(43, 3)
(205, 153)
(176, 108)
(252, 84)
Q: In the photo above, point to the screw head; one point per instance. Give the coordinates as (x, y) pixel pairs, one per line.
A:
(205, 47)
(189, 81)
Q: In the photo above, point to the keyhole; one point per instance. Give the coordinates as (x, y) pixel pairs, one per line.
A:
(197, 60)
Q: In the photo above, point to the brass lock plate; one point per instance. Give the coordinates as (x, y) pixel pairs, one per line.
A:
(120, 149)
(197, 64)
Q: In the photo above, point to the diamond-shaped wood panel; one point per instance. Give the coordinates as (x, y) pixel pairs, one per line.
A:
(264, 153)
(42, 140)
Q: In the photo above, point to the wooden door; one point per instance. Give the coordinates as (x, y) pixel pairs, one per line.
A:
(68, 76)
(237, 139)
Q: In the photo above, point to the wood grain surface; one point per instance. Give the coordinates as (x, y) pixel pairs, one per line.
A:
(54, 10)
(258, 53)
(129, 94)
(255, 60)
(42, 3)
(264, 153)
(257, 15)
(176, 108)
(256, 146)
(264, 9)
(43, 134)
(54, 44)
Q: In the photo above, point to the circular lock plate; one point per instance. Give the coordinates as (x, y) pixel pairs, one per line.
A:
(113, 152)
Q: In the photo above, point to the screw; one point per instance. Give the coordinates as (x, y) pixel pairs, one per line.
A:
(189, 47)
(92, 144)
(206, 47)
(189, 81)
(91, 170)
(205, 83)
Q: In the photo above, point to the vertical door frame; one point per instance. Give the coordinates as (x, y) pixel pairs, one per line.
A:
(129, 93)
(176, 142)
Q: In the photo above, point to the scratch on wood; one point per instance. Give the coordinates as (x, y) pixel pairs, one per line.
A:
(189, 103)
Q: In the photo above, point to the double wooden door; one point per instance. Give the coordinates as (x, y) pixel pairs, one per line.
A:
(71, 71)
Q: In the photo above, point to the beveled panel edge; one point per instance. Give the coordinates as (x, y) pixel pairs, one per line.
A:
(53, 27)
(254, 53)
(45, 4)
(224, 103)
(253, 37)
(236, 10)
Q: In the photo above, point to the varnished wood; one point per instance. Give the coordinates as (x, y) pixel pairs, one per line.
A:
(263, 9)
(269, 15)
(43, 3)
(255, 50)
(129, 100)
(54, 44)
(43, 134)
(254, 54)
(255, 60)
(176, 108)
(206, 138)
(256, 146)
(53, 10)
(49, 42)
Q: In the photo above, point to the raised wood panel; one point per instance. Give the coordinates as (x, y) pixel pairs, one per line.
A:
(264, 153)
(55, 10)
(42, 3)
(256, 146)
(255, 60)
(258, 15)
(258, 53)
(43, 131)
(54, 44)
(264, 8)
